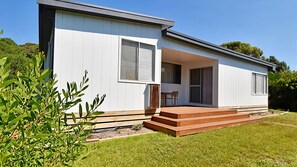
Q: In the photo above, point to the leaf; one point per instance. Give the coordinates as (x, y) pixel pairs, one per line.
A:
(14, 121)
(68, 86)
(73, 118)
(84, 88)
(14, 104)
(42, 135)
(3, 61)
(49, 128)
(64, 93)
(3, 101)
(88, 123)
(65, 119)
(46, 73)
(6, 83)
(87, 106)
(80, 110)
(98, 113)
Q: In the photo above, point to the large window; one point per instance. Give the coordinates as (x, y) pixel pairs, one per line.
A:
(259, 83)
(137, 61)
(171, 73)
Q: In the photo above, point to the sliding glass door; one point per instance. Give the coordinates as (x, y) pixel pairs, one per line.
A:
(201, 85)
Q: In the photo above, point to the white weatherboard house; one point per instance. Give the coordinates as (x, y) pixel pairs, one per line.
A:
(126, 53)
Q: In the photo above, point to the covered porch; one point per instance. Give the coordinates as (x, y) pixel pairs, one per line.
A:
(193, 77)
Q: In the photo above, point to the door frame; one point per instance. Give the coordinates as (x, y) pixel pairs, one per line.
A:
(189, 87)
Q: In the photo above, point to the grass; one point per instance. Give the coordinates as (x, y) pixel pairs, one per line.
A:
(261, 144)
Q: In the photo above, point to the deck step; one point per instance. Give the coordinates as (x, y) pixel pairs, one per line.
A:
(192, 114)
(198, 120)
(186, 130)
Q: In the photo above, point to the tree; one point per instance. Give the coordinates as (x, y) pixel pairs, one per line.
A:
(17, 55)
(8, 46)
(256, 52)
(280, 65)
(244, 48)
(34, 129)
(283, 90)
(29, 49)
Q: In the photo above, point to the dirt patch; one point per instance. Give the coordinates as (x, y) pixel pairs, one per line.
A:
(120, 132)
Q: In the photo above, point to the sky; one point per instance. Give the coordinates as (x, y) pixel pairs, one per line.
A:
(268, 24)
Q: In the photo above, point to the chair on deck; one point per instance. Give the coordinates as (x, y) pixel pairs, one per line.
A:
(163, 100)
(173, 98)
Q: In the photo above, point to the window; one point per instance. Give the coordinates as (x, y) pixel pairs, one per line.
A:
(259, 83)
(137, 61)
(171, 73)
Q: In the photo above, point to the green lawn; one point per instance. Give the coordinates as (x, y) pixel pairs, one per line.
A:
(260, 144)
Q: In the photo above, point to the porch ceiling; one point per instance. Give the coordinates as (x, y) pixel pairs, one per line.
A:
(176, 56)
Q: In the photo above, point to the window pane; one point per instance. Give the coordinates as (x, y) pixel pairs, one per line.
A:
(254, 83)
(265, 85)
(195, 93)
(171, 73)
(260, 84)
(166, 73)
(177, 74)
(195, 77)
(129, 60)
(146, 62)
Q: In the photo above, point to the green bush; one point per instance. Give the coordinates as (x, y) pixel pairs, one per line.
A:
(33, 119)
(17, 55)
(283, 90)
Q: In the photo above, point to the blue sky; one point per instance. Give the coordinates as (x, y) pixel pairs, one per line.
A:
(268, 24)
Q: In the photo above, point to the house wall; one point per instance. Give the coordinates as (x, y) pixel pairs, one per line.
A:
(234, 76)
(235, 83)
(92, 43)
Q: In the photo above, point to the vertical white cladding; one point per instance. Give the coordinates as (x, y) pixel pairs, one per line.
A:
(93, 44)
(235, 83)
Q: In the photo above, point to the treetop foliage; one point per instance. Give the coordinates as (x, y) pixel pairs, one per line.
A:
(244, 48)
(17, 55)
(255, 52)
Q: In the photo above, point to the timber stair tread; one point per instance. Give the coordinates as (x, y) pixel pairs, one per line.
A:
(191, 114)
(198, 120)
(185, 130)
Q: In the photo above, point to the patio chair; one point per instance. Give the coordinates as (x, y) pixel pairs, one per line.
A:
(173, 98)
(163, 99)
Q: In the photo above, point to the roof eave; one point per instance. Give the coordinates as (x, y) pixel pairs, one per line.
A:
(194, 41)
(106, 12)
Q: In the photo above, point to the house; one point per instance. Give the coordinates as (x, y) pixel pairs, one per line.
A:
(133, 58)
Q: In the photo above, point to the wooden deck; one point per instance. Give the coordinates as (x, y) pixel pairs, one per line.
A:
(180, 121)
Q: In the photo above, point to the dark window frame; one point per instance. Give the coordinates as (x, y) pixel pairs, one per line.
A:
(176, 76)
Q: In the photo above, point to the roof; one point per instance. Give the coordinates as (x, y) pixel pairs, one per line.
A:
(198, 42)
(71, 6)
(67, 5)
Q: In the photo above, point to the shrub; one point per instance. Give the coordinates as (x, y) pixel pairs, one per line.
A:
(33, 117)
(137, 127)
(283, 90)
